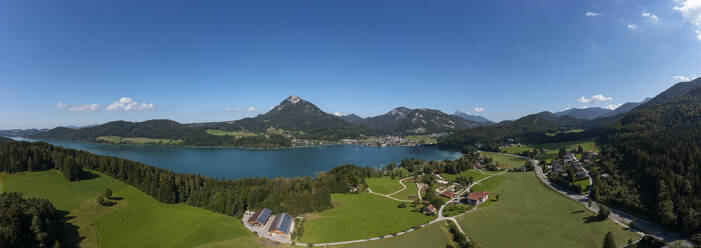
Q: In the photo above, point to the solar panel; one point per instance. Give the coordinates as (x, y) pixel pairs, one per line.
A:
(264, 215)
(282, 223)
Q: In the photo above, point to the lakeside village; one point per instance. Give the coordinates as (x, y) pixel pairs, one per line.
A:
(387, 140)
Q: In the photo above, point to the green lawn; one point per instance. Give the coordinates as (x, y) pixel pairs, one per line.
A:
(476, 175)
(53, 186)
(383, 185)
(411, 191)
(529, 214)
(137, 220)
(435, 235)
(358, 216)
(505, 161)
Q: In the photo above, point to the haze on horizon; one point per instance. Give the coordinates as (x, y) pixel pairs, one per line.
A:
(79, 63)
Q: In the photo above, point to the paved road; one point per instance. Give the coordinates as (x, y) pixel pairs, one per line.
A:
(620, 217)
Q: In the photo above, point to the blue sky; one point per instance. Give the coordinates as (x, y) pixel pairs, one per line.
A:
(67, 62)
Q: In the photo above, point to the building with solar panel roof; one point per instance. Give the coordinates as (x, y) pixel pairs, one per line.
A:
(260, 217)
(282, 223)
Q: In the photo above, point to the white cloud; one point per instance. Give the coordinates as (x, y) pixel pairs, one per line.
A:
(632, 27)
(84, 107)
(478, 109)
(128, 104)
(583, 100)
(595, 98)
(613, 106)
(60, 105)
(601, 98)
(682, 78)
(589, 13)
(691, 10)
(250, 109)
(337, 114)
(650, 16)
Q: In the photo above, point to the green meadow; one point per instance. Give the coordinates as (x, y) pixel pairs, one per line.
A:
(359, 216)
(529, 214)
(137, 140)
(505, 161)
(383, 185)
(411, 191)
(134, 219)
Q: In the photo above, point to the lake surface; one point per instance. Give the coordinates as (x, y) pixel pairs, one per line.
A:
(241, 163)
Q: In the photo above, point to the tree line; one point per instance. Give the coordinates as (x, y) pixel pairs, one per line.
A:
(231, 197)
(28, 222)
(652, 158)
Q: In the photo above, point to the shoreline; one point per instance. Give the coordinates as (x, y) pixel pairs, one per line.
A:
(210, 147)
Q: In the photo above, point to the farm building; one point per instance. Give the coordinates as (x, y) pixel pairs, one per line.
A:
(429, 209)
(448, 194)
(477, 197)
(282, 223)
(260, 217)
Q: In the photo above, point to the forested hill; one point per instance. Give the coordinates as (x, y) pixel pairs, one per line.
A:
(653, 157)
(160, 129)
(531, 129)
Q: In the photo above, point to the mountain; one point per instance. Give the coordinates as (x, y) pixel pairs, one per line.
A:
(298, 115)
(675, 91)
(584, 113)
(352, 119)
(471, 117)
(417, 121)
(625, 108)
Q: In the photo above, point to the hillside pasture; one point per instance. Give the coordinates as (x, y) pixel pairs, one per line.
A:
(359, 216)
(530, 214)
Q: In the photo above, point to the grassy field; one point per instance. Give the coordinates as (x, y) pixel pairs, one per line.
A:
(476, 175)
(149, 223)
(529, 214)
(237, 134)
(358, 216)
(383, 185)
(410, 193)
(553, 148)
(123, 140)
(435, 235)
(505, 161)
(489, 184)
(135, 219)
(53, 186)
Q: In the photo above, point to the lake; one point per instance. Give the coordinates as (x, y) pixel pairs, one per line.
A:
(240, 163)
